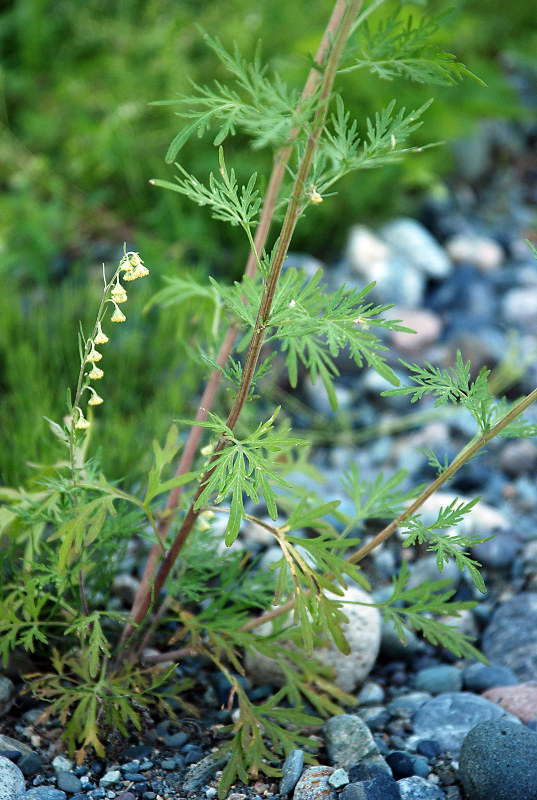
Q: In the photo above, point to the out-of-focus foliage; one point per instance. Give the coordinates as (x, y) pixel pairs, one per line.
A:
(79, 140)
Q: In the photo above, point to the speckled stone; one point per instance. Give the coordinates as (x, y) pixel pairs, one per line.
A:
(417, 788)
(498, 761)
(313, 785)
(509, 642)
(12, 784)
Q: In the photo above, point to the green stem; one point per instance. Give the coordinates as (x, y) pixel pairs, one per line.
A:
(292, 215)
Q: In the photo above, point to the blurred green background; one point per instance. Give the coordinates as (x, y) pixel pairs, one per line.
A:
(79, 142)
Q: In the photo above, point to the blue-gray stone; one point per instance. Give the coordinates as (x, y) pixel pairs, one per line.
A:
(45, 793)
(67, 782)
(417, 788)
(381, 787)
(339, 778)
(447, 718)
(413, 242)
(498, 761)
(292, 770)
(110, 778)
(510, 638)
(443, 678)
(480, 677)
(429, 748)
(406, 705)
(349, 741)
(404, 764)
(30, 763)
(12, 784)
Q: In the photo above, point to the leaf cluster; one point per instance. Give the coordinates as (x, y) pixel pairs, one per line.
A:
(401, 46)
(313, 325)
(260, 105)
(417, 607)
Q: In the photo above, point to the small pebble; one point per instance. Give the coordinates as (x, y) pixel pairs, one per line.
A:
(417, 788)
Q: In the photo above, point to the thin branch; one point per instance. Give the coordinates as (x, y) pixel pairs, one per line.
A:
(291, 218)
(267, 212)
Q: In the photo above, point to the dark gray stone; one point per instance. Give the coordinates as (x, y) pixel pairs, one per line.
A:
(443, 678)
(498, 761)
(510, 639)
(292, 770)
(7, 695)
(68, 782)
(499, 552)
(447, 718)
(479, 677)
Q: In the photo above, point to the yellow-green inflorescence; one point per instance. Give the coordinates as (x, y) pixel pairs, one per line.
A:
(130, 268)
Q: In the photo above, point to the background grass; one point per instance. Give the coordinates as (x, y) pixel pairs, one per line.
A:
(79, 142)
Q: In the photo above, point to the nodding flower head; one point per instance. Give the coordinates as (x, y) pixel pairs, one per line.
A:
(118, 293)
(81, 423)
(95, 374)
(93, 355)
(95, 399)
(118, 315)
(100, 337)
(133, 267)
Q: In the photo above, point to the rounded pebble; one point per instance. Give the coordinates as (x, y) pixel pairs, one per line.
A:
(12, 784)
(417, 788)
(479, 677)
(313, 785)
(292, 770)
(443, 678)
(68, 782)
(498, 761)
(508, 642)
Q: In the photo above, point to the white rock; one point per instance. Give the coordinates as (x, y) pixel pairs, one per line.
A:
(413, 242)
(482, 519)
(480, 251)
(519, 306)
(366, 253)
(426, 324)
(12, 784)
(362, 632)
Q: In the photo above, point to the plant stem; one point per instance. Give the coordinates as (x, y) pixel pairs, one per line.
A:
(207, 399)
(293, 212)
(464, 456)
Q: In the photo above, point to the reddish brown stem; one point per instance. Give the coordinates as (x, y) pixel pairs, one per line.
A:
(143, 600)
(209, 394)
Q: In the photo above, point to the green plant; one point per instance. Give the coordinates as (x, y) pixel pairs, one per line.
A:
(61, 530)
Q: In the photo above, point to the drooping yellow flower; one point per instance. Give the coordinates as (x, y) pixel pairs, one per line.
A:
(95, 399)
(81, 423)
(118, 315)
(100, 338)
(93, 354)
(95, 373)
(118, 293)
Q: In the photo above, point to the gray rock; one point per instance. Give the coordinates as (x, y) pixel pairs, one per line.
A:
(499, 552)
(417, 788)
(406, 705)
(371, 694)
(45, 793)
(498, 761)
(519, 306)
(436, 680)
(448, 717)
(349, 741)
(411, 240)
(339, 778)
(7, 695)
(62, 763)
(292, 770)
(203, 771)
(313, 785)
(8, 743)
(12, 784)
(29, 764)
(479, 677)
(425, 569)
(110, 778)
(510, 639)
(518, 457)
(68, 782)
